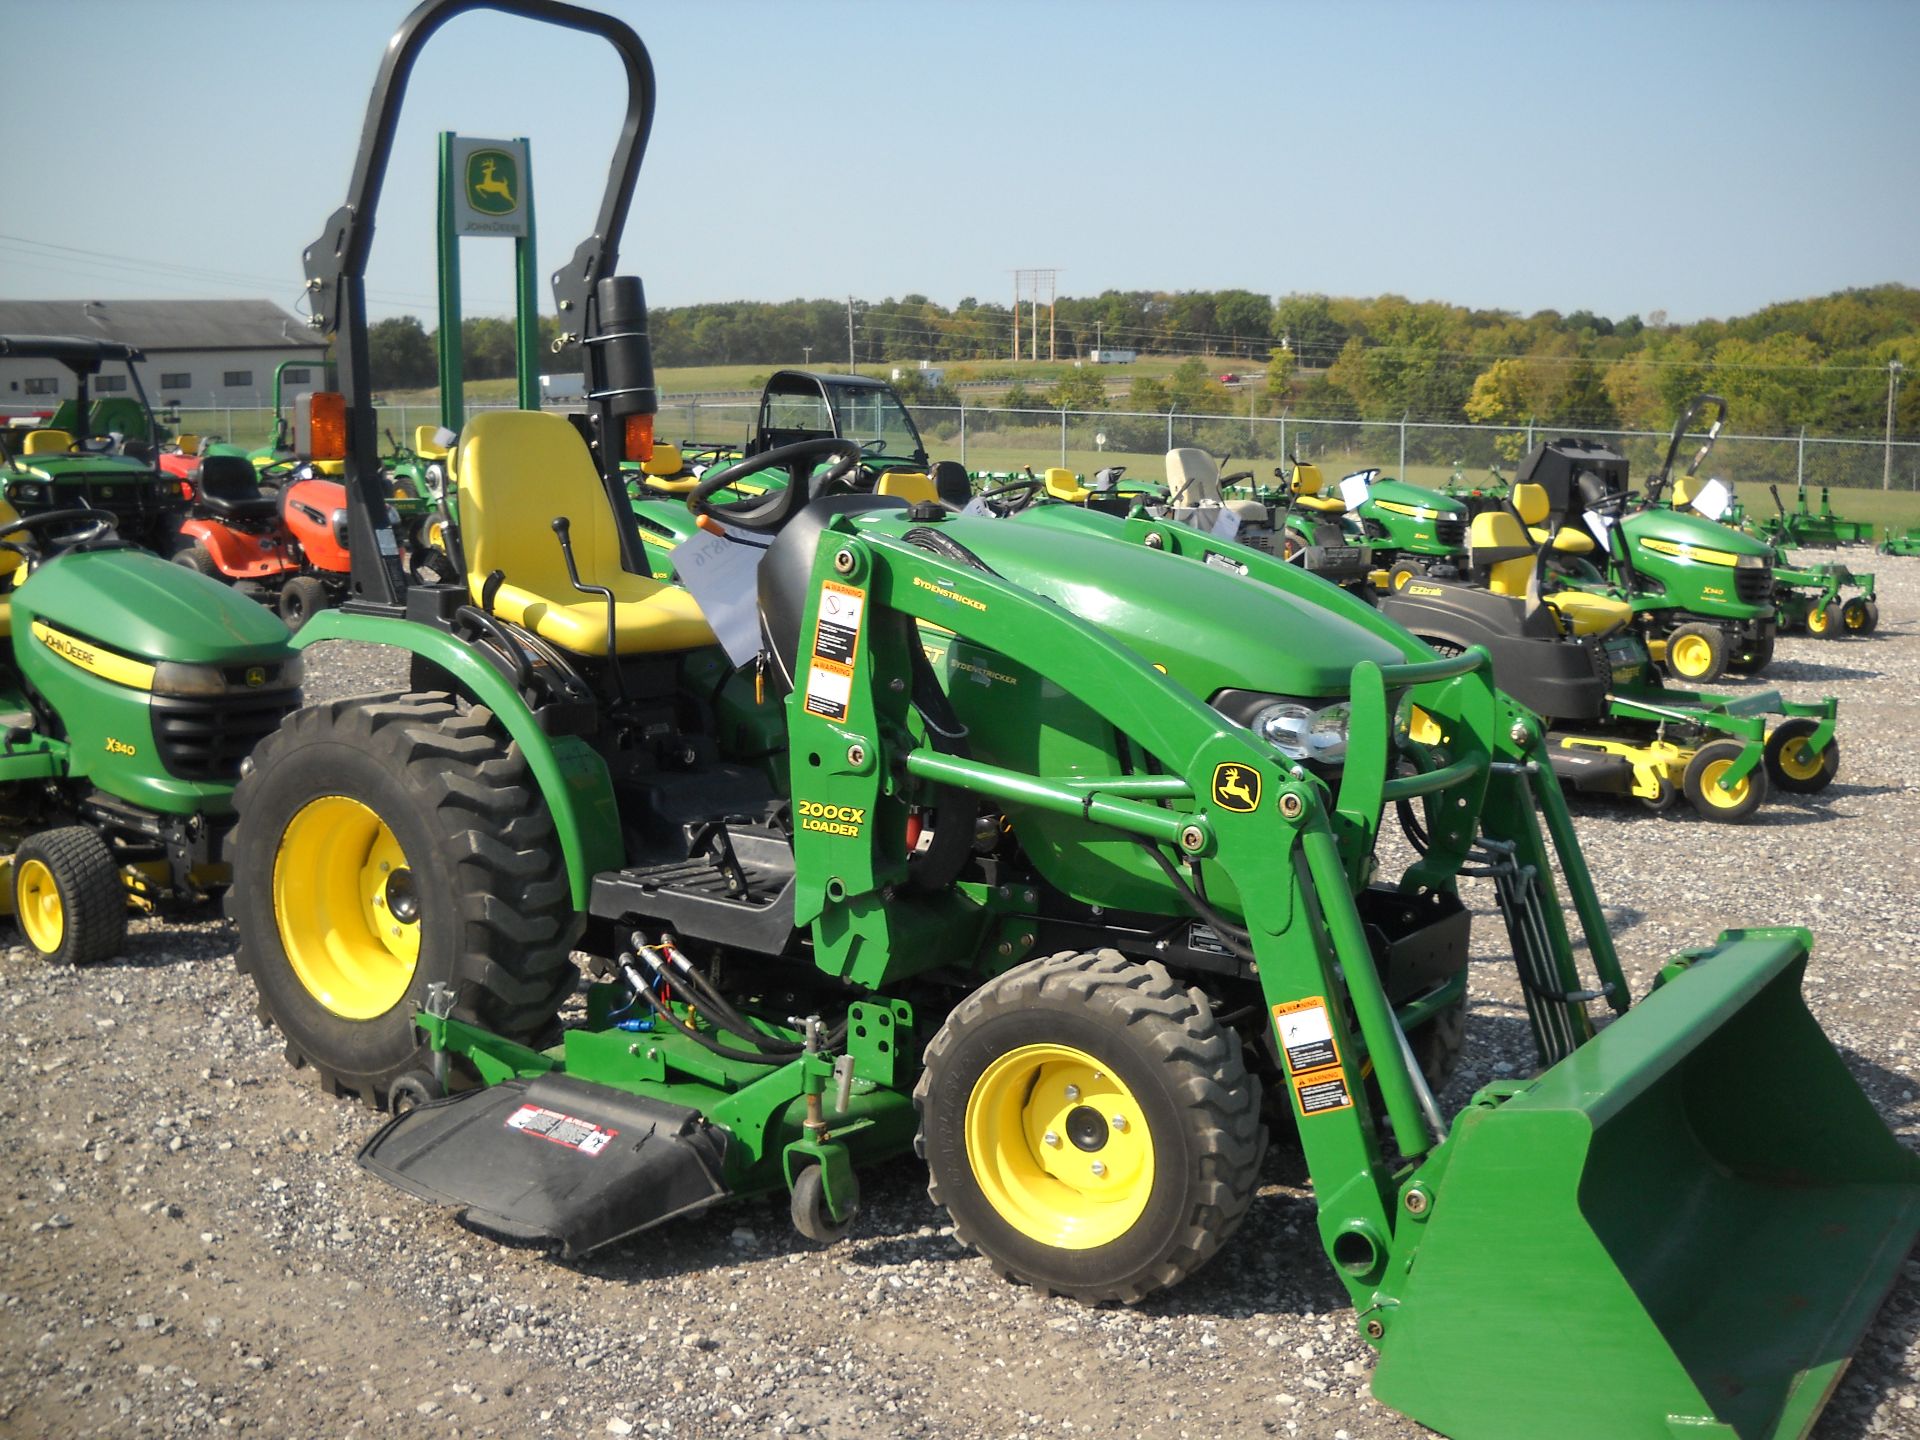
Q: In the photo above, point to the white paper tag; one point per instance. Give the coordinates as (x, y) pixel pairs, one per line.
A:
(1714, 499)
(1599, 524)
(977, 506)
(720, 574)
(1353, 489)
(1227, 526)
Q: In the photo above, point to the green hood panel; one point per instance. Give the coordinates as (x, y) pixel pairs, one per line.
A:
(1682, 527)
(1210, 628)
(1399, 492)
(73, 469)
(144, 606)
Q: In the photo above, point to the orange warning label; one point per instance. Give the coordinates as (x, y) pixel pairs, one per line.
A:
(1306, 1038)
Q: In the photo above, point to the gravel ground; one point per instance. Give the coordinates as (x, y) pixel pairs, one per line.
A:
(187, 1247)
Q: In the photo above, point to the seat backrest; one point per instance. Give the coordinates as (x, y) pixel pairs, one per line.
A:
(1683, 492)
(1502, 548)
(1062, 486)
(1192, 477)
(426, 442)
(518, 470)
(228, 477)
(187, 444)
(908, 485)
(1306, 479)
(1531, 501)
(47, 442)
(951, 482)
(667, 460)
(10, 560)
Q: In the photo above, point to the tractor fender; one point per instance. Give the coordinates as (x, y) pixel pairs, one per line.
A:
(241, 554)
(572, 777)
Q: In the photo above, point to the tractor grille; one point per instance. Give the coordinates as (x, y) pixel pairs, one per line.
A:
(1754, 587)
(1261, 540)
(1451, 533)
(206, 739)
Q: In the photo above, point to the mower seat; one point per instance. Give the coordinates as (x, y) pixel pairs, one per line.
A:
(1531, 501)
(519, 470)
(1584, 614)
(227, 486)
(1062, 486)
(908, 485)
(1307, 483)
(187, 444)
(1499, 548)
(11, 562)
(426, 443)
(952, 483)
(47, 442)
(1193, 482)
(666, 473)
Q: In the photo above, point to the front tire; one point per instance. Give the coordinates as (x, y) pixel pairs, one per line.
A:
(198, 559)
(68, 897)
(1697, 654)
(1089, 1126)
(302, 598)
(1710, 799)
(384, 845)
(1793, 766)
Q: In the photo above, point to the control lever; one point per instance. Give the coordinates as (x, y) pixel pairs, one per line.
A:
(563, 528)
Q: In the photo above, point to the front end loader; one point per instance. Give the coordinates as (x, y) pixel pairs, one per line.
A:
(1051, 904)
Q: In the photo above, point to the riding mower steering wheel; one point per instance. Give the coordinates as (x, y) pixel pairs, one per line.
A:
(88, 535)
(1013, 497)
(772, 510)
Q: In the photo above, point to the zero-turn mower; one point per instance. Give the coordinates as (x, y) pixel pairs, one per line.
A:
(1050, 909)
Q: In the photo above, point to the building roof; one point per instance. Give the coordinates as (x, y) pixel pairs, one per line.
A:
(158, 326)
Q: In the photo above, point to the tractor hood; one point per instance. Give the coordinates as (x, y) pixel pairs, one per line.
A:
(1210, 628)
(1402, 498)
(140, 605)
(1696, 532)
(71, 468)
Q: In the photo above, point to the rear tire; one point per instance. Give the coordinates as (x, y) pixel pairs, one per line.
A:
(383, 845)
(199, 559)
(68, 897)
(1856, 616)
(1790, 765)
(1709, 798)
(301, 598)
(1697, 654)
(1107, 1198)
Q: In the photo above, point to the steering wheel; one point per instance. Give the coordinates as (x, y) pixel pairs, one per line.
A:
(1013, 497)
(773, 509)
(102, 524)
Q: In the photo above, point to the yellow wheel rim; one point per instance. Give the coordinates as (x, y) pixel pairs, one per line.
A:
(1798, 761)
(344, 902)
(1402, 579)
(1691, 655)
(1059, 1146)
(1710, 786)
(1854, 617)
(1817, 620)
(43, 915)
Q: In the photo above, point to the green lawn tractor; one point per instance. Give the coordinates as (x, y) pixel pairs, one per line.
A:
(1051, 906)
(1414, 531)
(1820, 528)
(94, 454)
(1574, 658)
(132, 690)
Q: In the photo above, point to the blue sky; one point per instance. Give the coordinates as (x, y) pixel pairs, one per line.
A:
(1701, 159)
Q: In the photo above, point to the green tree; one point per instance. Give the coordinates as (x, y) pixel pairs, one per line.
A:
(1280, 366)
(1081, 389)
(400, 354)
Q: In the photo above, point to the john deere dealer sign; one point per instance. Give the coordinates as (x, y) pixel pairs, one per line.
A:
(490, 187)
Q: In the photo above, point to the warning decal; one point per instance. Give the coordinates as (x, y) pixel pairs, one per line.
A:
(828, 688)
(1313, 1056)
(568, 1130)
(836, 633)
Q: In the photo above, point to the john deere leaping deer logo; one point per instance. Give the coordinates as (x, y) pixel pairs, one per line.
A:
(493, 182)
(1235, 787)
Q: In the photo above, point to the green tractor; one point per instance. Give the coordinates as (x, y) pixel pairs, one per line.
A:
(986, 840)
(96, 454)
(1415, 532)
(132, 691)
(1819, 528)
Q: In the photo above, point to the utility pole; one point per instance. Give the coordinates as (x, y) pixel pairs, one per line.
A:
(1894, 367)
(850, 366)
(1029, 283)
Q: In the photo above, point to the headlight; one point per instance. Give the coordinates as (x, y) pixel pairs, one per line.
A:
(1750, 562)
(173, 677)
(1302, 733)
(27, 492)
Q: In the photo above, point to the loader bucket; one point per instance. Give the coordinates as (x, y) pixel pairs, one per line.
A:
(1682, 1229)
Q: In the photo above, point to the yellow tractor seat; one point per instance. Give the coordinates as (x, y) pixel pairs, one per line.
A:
(1570, 541)
(1306, 484)
(187, 444)
(666, 463)
(1585, 614)
(425, 443)
(11, 562)
(1683, 492)
(519, 469)
(911, 486)
(47, 442)
(1062, 486)
(1498, 545)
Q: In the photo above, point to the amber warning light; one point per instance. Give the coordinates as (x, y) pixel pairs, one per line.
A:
(638, 440)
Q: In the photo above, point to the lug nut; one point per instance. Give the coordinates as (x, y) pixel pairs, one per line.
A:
(1118, 1122)
(1051, 1138)
(1099, 1167)
(1073, 1092)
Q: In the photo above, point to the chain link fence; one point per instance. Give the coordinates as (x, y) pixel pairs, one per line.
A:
(993, 438)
